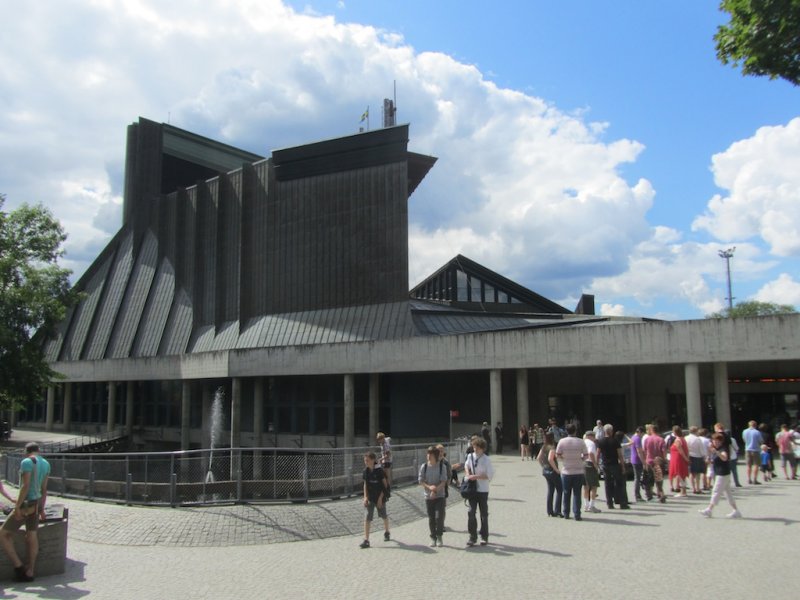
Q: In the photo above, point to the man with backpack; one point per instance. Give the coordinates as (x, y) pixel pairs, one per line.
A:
(433, 478)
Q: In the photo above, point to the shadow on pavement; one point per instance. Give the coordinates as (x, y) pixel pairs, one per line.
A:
(58, 587)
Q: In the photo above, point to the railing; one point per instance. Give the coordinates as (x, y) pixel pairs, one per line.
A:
(230, 475)
(80, 442)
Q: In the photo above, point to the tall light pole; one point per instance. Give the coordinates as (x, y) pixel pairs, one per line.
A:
(728, 255)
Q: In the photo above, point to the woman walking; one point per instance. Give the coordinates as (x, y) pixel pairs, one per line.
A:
(523, 442)
(722, 476)
(478, 468)
(552, 474)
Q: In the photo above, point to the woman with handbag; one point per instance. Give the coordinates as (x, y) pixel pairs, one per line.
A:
(478, 468)
(552, 474)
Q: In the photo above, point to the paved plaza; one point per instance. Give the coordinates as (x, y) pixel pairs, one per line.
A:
(311, 550)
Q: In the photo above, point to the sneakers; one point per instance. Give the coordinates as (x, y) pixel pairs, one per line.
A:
(735, 514)
(440, 542)
(471, 541)
(594, 509)
(578, 518)
(433, 542)
(706, 512)
(364, 544)
(484, 541)
(386, 536)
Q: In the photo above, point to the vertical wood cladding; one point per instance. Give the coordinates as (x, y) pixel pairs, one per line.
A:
(322, 226)
(338, 239)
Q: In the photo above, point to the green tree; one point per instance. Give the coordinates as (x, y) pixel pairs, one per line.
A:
(762, 35)
(34, 295)
(753, 308)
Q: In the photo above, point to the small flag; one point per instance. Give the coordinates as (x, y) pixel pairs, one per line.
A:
(365, 116)
(454, 413)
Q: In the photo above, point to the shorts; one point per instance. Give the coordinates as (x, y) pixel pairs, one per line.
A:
(753, 458)
(765, 469)
(788, 458)
(591, 474)
(697, 465)
(370, 508)
(31, 522)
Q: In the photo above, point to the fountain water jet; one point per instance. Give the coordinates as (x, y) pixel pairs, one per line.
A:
(216, 430)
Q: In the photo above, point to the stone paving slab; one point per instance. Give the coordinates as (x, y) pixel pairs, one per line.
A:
(655, 550)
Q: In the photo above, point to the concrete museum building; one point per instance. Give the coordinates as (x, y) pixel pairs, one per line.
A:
(283, 281)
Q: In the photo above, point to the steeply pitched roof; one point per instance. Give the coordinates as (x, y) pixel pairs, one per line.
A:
(464, 283)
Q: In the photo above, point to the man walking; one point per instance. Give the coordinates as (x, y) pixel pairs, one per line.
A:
(486, 434)
(33, 473)
(433, 478)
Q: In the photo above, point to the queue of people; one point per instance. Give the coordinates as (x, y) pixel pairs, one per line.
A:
(571, 465)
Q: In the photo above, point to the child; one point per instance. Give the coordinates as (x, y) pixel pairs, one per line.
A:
(375, 485)
(766, 459)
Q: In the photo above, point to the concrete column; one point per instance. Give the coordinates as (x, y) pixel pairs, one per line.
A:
(349, 410)
(374, 410)
(495, 402)
(111, 413)
(130, 392)
(236, 427)
(66, 417)
(523, 414)
(51, 408)
(258, 425)
(186, 407)
(722, 397)
(694, 413)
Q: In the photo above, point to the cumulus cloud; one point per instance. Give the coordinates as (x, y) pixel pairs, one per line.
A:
(665, 266)
(783, 290)
(762, 177)
(530, 189)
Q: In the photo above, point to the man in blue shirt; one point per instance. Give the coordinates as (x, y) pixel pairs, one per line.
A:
(33, 473)
(752, 446)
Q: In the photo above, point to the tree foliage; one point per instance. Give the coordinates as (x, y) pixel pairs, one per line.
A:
(34, 296)
(753, 308)
(762, 35)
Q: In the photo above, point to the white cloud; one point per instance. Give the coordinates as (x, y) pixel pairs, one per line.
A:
(762, 177)
(612, 310)
(783, 290)
(667, 267)
(529, 189)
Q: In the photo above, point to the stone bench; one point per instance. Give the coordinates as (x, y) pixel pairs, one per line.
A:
(52, 544)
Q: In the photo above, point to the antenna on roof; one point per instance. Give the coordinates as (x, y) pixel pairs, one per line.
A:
(390, 109)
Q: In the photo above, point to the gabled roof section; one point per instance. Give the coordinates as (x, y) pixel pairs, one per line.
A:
(464, 283)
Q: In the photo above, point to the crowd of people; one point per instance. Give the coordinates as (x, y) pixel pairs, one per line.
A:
(696, 459)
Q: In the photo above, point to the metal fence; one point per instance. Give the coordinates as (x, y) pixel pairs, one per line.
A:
(228, 475)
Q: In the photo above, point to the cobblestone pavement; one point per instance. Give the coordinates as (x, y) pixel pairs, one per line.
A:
(667, 550)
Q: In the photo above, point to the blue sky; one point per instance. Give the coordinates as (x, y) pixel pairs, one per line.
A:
(583, 147)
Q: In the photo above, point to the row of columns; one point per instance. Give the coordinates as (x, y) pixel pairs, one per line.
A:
(691, 378)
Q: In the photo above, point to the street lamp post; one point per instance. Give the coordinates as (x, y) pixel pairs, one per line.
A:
(728, 255)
